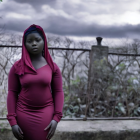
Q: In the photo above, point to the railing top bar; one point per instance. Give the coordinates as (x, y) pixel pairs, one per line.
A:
(9, 46)
(124, 54)
(75, 49)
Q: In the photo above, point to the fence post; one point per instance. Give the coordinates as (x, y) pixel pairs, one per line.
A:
(98, 60)
(98, 72)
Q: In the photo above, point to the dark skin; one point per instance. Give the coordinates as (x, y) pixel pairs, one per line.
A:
(34, 40)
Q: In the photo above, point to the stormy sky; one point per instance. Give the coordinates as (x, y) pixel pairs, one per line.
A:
(112, 19)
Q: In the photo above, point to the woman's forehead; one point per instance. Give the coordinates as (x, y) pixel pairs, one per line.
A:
(31, 35)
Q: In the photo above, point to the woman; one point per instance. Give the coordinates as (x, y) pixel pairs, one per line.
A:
(35, 95)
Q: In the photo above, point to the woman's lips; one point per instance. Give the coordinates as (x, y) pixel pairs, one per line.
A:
(35, 49)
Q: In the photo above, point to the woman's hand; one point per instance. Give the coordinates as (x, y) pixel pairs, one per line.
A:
(52, 125)
(17, 132)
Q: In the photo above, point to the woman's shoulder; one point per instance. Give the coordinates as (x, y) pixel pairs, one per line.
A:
(14, 66)
(56, 69)
(17, 63)
(56, 66)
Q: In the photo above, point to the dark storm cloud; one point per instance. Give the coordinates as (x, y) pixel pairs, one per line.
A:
(65, 6)
(64, 22)
(19, 25)
(36, 4)
(63, 26)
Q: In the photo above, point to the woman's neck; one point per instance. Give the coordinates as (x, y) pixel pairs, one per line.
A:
(36, 57)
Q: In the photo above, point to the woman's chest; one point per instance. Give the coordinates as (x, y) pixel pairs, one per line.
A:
(43, 78)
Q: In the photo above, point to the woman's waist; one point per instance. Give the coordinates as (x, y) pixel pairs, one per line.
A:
(22, 104)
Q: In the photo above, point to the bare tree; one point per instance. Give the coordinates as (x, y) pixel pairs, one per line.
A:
(7, 57)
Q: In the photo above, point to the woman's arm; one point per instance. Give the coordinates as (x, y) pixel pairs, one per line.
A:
(13, 90)
(58, 94)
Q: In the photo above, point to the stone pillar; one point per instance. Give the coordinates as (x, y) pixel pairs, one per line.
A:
(98, 63)
(98, 73)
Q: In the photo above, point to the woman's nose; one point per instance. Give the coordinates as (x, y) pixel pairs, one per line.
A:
(34, 42)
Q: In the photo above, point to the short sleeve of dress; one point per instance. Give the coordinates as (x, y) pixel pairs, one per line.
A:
(58, 94)
(13, 90)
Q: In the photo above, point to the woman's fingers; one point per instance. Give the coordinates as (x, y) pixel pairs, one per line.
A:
(47, 127)
(17, 132)
(52, 126)
(17, 136)
(20, 130)
(50, 133)
(20, 133)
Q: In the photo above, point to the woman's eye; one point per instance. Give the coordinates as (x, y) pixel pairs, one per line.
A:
(38, 40)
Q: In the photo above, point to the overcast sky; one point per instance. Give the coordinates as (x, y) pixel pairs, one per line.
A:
(110, 19)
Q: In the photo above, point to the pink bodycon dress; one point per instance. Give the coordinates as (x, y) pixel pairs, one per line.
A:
(30, 102)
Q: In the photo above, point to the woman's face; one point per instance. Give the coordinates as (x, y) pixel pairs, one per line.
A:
(34, 43)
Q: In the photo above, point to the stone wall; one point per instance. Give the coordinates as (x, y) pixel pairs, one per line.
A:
(87, 130)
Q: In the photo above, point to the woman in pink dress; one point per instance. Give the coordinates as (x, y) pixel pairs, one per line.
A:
(35, 95)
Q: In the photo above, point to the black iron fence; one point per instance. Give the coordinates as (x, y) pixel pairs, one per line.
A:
(118, 94)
